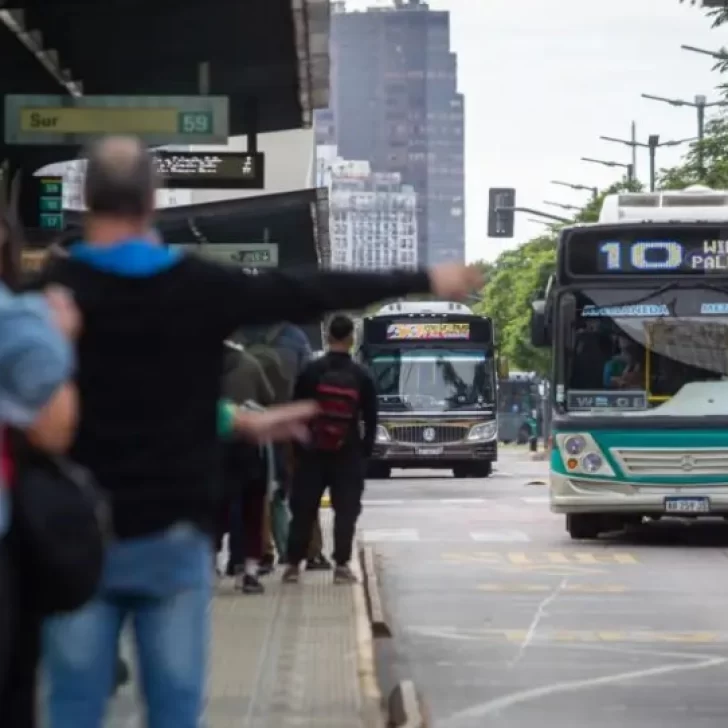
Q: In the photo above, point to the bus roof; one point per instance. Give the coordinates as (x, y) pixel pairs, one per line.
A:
(693, 204)
(423, 307)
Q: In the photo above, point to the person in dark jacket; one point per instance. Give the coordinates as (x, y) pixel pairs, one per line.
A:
(337, 453)
(244, 381)
(149, 377)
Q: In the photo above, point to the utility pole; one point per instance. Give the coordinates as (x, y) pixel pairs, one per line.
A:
(700, 104)
(652, 144)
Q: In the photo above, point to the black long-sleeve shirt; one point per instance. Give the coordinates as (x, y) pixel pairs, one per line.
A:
(150, 368)
(306, 389)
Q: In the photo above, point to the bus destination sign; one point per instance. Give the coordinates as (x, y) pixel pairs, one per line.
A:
(406, 331)
(204, 170)
(673, 250)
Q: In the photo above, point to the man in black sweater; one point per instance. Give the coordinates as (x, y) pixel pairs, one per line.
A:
(150, 366)
(336, 454)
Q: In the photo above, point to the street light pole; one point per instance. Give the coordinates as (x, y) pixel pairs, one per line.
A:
(594, 190)
(531, 211)
(562, 206)
(608, 163)
(700, 104)
(717, 55)
(653, 142)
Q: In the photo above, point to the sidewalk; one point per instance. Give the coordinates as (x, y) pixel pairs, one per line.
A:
(299, 655)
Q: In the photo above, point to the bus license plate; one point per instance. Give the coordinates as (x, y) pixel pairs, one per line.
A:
(429, 450)
(687, 505)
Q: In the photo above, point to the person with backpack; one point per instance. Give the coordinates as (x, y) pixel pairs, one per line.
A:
(336, 455)
(149, 377)
(38, 402)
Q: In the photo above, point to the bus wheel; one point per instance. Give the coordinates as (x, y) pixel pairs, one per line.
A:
(483, 469)
(461, 471)
(583, 526)
(524, 435)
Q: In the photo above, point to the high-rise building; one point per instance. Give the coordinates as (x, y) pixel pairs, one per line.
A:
(395, 103)
(372, 215)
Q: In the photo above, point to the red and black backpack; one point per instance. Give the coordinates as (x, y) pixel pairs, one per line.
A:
(337, 395)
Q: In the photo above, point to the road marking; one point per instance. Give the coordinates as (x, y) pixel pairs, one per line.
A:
(391, 535)
(500, 536)
(573, 636)
(495, 502)
(580, 588)
(549, 558)
(462, 501)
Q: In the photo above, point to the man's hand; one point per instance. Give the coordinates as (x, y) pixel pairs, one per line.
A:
(453, 282)
(280, 423)
(64, 309)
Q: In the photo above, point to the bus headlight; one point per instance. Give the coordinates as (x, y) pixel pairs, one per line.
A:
(382, 434)
(575, 445)
(581, 455)
(483, 431)
(592, 462)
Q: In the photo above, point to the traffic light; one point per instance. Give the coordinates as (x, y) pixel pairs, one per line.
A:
(501, 201)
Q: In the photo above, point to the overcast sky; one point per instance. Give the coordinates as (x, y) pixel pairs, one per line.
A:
(543, 79)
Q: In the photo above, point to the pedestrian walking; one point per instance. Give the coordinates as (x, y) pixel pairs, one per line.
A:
(150, 359)
(245, 473)
(37, 399)
(336, 455)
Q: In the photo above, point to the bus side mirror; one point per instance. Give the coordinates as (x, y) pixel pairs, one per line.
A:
(540, 335)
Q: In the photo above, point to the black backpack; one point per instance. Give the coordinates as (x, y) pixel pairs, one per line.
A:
(337, 395)
(61, 524)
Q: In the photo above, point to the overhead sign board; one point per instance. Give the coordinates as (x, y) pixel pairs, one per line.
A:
(250, 256)
(219, 171)
(158, 120)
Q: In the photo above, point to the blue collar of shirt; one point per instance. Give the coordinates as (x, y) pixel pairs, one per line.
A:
(133, 257)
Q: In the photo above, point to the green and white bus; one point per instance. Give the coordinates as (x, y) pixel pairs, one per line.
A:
(637, 319)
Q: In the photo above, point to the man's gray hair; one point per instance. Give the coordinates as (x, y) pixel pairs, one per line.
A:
(121, 179)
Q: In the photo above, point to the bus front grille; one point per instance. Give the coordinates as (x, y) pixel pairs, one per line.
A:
(664, 461)
(426, 434)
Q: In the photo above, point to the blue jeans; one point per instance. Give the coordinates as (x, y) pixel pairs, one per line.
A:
(163, 585)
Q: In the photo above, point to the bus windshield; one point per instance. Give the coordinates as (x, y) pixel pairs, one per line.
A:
(636, 348)
(432, 379)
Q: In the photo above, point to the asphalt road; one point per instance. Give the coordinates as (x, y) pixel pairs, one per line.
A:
(502, 620)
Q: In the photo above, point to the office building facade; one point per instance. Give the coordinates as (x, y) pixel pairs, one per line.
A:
(372, 215)
(395, 103)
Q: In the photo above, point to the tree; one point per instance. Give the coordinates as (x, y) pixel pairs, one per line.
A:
(714, 172)
(719, 15)
(518, 276)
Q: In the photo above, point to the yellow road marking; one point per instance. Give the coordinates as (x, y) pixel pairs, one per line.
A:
(529, 561)
(597, 636)
(507, 588)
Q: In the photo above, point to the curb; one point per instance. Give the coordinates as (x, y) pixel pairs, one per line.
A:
(372, 699)
(379, 625)
(406, 708)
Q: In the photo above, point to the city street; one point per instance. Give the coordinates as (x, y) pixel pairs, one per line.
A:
(500, 619)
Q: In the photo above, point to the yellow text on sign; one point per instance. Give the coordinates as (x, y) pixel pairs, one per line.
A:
(550, 558)
(99, 121)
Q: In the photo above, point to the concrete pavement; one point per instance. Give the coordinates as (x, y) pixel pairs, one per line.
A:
(502, 620)
(299, 655)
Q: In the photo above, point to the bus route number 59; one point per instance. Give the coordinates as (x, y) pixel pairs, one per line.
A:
(195, 122)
